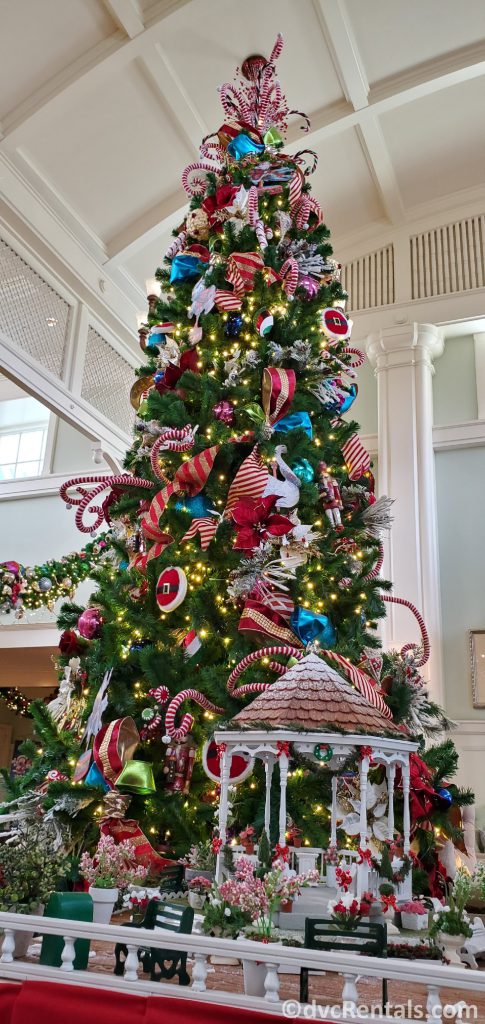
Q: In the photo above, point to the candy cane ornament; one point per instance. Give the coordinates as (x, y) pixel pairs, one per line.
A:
(188, 719)
(172, 440)
(85, 497)
(177, 245)
(425, 642)
(192, 180)
(289, 273)
(263, 652)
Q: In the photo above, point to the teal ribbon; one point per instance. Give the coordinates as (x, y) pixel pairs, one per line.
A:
(308, 626)
(295, 421)
(242, 144)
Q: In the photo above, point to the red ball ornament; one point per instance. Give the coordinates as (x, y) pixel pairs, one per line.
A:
(171, 588)
(89, 623)
(70, 643)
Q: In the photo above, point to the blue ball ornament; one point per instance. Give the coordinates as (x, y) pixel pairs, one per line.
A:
(233, 326)
(198, 507)
(445, 795)
(45, 584)
(303, 470)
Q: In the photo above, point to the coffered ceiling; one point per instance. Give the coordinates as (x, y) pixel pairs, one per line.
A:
(103, 102)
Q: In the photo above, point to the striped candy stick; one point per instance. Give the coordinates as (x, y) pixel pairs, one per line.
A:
(360, 356)
(187, 720)
(289, 274)
(194, 177)
(356, 457)
(263, 652)
(171, 440)
(83, 498)
(177, 245)
(425, 645)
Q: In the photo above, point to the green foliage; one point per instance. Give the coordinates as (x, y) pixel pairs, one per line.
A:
(29, 869)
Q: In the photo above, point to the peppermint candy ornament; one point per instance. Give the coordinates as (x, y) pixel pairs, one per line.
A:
(171, 588)
(264, 322)
(335, 325)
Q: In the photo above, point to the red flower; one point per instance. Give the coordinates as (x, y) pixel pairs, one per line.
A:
(214, 205)
(255, 522)
(172, 375)
(70, 643)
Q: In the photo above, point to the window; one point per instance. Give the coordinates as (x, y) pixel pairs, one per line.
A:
(22, 452)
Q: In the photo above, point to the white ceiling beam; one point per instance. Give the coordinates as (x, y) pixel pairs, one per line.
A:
(93, 68)
(172, 93)
(381, 167)
(127, 15)
(162, 217)
(339, 36)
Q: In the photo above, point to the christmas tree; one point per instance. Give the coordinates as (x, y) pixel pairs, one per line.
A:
(246, 516)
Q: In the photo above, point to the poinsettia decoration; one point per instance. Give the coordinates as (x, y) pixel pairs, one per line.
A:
(255, 522)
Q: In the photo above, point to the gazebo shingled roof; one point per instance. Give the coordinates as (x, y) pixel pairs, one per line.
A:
(312, 696)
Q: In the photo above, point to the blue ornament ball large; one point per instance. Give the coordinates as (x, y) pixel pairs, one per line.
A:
(303, 470)
(198, 507)
(45, 584)
(233, 326)
(445, 795)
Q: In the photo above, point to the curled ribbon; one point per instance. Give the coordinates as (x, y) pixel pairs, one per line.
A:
(113, 745)
(278, 391)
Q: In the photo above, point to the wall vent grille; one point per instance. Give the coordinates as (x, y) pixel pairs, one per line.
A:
(32, 314)
(369, 280)
(107, 379)
(449, 259)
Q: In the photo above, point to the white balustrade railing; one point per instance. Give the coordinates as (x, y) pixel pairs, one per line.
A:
(351, 967)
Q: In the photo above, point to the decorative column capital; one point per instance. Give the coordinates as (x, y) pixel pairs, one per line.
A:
(405, 345)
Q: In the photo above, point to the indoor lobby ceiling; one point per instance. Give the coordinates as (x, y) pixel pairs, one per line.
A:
(103, 102)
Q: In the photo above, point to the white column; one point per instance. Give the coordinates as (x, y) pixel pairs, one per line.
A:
(363, 869)
(333, 818)
(283, 761)
(391, 775)
(406, 815)
(403, 358)
(479, 344)
(226, 759)
(268, 768)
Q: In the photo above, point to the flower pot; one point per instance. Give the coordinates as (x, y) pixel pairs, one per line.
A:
(248, 848)
(23, 939)
(296, 842)
(286, 906)
(103, 903)
(197, 900)
(254, 973)
(198, 873)
(451, 944)
(331, 876)
(414, 922)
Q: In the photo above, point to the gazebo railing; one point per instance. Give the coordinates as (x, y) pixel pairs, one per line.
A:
(434, 978)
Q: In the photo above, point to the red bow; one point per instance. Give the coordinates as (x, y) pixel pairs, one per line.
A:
(216, 845)
(282, 853)
(366, 752)
(283, 747)
(188, 361)
(365, 856)
(215, 204)
(255, 522)
(422, 793)
(221, 747)
(388, 902)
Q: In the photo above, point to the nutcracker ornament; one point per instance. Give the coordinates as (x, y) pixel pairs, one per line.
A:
(330, 494)
(179, 765)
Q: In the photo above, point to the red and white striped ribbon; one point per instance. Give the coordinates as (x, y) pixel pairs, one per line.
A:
(187, 720)
(206, 527)
(240, 270)
(356, 457)
(295, 187)
(425, 645)
(249, 481)
(83, 498)
(253, 205)
(302, 211)
(226, 301)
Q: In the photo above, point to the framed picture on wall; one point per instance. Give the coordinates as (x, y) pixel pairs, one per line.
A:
(477, 655)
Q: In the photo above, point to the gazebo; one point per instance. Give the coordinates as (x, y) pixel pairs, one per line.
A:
(317, 712)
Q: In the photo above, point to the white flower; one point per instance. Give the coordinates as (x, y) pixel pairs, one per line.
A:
(436, 917)
(215, 902)
(227, 912)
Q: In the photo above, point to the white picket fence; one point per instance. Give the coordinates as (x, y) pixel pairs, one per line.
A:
(435, 978)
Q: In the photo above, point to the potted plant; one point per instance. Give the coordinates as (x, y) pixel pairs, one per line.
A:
(112, 867)
(247, 839)
(414, 915)
(330, 859)
(348, 910)
(451, 925)
(200, 860)
(258, 898)
(29, 871)
(198, 890)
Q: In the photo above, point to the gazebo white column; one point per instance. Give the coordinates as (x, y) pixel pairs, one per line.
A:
(406, 814)
(403, 359)
(333, 814)
(363, 869)
(283, 762)
(391, 775)
(226, 759)
(268, 768)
